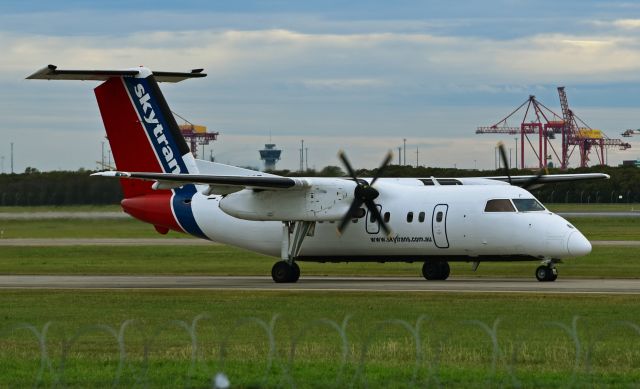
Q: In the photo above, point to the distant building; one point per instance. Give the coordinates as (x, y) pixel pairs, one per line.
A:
(270, 155)
(632, 162)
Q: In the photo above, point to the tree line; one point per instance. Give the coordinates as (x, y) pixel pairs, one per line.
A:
(78, 188)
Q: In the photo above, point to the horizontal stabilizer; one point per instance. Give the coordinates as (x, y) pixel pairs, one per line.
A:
(52, 72)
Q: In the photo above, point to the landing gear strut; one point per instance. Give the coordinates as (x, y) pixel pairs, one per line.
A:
(546, 273)
(284, 271)
(293, 233)
(436, 270)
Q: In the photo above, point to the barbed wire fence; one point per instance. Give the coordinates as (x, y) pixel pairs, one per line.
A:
(349, 368)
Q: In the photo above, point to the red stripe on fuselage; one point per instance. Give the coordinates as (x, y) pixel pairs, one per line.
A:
(132, 151)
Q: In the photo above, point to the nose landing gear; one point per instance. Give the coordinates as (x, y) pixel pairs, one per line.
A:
(546, 273)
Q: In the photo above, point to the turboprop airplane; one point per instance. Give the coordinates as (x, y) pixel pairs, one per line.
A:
(431, 220)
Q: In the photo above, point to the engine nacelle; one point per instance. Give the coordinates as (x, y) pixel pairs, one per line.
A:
(323, 200)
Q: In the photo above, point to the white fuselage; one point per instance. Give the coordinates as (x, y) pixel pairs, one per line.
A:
(447, 221)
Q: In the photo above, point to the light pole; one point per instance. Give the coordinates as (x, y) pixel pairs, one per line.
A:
(404, 151)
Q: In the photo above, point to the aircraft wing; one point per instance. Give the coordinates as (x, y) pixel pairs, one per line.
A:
(217, 184)
(550, 178)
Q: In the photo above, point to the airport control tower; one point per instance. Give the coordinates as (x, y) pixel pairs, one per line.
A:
(270, 155)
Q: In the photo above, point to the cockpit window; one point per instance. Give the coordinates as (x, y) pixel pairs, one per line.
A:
(528, 205)
(499, 205)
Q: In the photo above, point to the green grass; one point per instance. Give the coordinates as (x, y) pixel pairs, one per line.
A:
(533, 349)
(572, 207)
(63, 208)
(610, 262)
(608, 228)
(81, 229)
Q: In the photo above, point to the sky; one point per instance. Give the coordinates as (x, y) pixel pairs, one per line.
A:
(356, 75)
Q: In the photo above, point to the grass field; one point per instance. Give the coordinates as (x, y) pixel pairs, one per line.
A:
(65, 208)
(82, 228)
(611, 262)
(535, 343)
(605, 207)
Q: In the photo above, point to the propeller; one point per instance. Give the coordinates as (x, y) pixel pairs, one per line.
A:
(527, 184)
(364, 193)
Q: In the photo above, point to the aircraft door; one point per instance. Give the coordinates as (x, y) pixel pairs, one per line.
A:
(372, 226)
(439, 226)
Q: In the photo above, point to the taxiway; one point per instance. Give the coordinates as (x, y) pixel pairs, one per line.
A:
(372, 284)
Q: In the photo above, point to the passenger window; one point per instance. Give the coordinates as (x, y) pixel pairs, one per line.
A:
(421, 217)
(387, 216)
(499, 205)
(410, 217)
(439, 217)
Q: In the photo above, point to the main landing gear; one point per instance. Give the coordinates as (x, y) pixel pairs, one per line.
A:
(436, 270)
(293, 234)
(283, 272)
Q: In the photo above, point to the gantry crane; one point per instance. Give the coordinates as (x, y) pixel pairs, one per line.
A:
(584, 137)
(196, 135)
(629, 133)
(537, 119)
(573, 132)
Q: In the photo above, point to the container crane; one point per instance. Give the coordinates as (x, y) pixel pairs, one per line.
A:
(536, 119)
(196, 135)
(629, 133)
(577, 133)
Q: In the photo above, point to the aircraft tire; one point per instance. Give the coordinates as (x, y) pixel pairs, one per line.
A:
(546, 273)
(282, 272)
(436, 270)
(296, 272)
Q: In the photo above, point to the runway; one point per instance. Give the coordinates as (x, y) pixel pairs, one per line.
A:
(362, 284)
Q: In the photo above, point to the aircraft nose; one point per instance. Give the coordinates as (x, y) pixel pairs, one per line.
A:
(578, 245)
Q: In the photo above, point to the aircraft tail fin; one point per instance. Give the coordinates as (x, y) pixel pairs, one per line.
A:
(144, 137)
(142, 131)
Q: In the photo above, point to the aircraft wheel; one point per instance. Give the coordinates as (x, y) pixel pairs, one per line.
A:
(546, 273)
(296, 272)
(283, 272)
(436, 270)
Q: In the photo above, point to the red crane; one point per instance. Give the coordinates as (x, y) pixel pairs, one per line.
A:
(537, 119)
(584, 137)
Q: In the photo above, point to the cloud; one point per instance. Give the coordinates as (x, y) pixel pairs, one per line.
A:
(321, 85)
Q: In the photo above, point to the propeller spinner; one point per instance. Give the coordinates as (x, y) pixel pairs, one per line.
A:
(364, 193)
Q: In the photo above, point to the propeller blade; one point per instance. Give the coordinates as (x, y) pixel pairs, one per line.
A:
(357, 203)
(373, 208)
(533, 181)
(505, 163)
(345, 162)
(383, 166)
